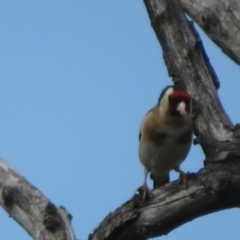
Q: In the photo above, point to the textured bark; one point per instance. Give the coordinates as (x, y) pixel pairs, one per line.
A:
(214, 188)
(217, 186)
(188, 65)
(31, 209)
(220, 19)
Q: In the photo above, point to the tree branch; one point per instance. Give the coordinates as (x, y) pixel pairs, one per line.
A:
(220, 20)
(214, 188)
(217, 186)
(31, 209)
(188, 65)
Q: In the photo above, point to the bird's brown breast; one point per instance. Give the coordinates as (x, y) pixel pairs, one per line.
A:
(185, 137)
(157, 128)
(151, 129)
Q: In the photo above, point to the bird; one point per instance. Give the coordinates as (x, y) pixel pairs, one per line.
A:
(165, 137)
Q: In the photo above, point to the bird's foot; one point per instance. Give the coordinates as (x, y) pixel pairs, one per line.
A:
(145, 192)
(185, 177)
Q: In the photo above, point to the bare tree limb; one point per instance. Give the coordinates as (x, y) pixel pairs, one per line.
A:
(214, 188)
(220, 19)
(188, 65)
(31, 209)
(217, 186)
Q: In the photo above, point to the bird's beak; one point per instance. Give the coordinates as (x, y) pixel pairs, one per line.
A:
(181, 108)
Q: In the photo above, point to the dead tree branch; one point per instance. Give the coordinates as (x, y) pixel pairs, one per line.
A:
(220, 20)
(217, 186)
(31, 209)
(188, 64)
(214, 188)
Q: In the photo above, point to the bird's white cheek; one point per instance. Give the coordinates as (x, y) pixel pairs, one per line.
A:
(181, 108)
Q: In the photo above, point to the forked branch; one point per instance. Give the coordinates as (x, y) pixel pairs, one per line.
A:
(214, 188)
(217, 186)
(220, 19)
(188, 65)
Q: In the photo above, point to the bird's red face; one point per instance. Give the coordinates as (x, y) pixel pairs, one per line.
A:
(179, 103)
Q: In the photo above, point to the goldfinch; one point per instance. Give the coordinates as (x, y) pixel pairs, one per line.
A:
(165, 136)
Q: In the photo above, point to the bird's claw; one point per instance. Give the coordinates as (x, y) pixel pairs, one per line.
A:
(184, 177)
(145, 192)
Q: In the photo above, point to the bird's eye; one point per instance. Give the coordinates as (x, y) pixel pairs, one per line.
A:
(172, 100)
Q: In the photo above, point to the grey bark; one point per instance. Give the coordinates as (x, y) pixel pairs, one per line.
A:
(214, 188)
(217, 186)
(188, 65)
(220, 19)
(31, 209)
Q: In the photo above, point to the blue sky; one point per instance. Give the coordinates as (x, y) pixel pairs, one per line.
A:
(76, 78)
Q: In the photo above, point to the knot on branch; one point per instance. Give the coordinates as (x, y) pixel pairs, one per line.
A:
(52, 219)
(145, 230)
(68, 214)
(211, 24)
(10, 196)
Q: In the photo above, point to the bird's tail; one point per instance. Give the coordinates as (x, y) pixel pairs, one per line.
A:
(159, 181)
